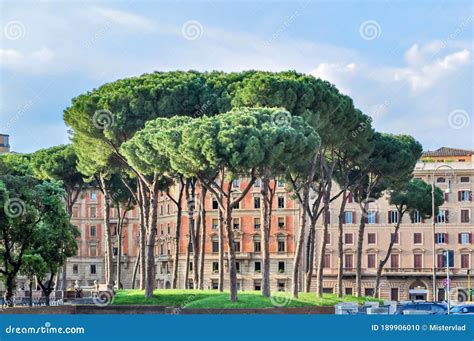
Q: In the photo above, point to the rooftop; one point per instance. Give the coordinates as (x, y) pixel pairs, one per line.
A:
(445, 151)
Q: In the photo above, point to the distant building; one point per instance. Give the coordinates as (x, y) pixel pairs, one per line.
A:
(4, 144)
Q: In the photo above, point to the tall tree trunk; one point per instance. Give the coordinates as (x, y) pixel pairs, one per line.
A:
(188, 257)
(177, 241)
(119, 248)
(202, 248)
(387, 256)
(30, 303)
(10, 284)
(322, 249)
(265, 233)
(310, 255)
(360, 243)
(135, 270)
(143, 210)
(340, 246)
(191, 202)
(221, 251)
(109, 265)
(150, 242)
(231, 251)
(301, 233)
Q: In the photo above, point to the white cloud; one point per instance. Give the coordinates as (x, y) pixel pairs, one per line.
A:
(126, 19)
(33, 62)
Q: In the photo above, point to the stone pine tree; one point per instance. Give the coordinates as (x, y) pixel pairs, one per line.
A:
(391, 163)
(59, 164)
(414, 198)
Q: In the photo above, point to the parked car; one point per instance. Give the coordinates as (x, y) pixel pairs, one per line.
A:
(422, 308)
(463, 309)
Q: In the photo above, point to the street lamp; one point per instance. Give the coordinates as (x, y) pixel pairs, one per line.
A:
(433, 218)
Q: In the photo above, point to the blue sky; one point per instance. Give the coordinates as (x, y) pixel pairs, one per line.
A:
(408, 64)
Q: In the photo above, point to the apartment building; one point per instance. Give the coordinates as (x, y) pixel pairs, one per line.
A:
(407, 275)
(4, 143)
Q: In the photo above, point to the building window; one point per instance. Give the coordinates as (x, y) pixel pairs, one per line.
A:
(465, 238)
(215, 267)
(442, 217)
(281, 285)
(191, 266)
(393, 217)
(92, 250)
(257, 246)
(348, 238)
(417, 261)
(167, 208)
(257, 285)
(215, 246)
(257, 266)
(281, 202)
(464, 196)
(348, 264)
(465, 216)
(328, 290)
(93, 231)
(75, 269)
(327, 261)
(236, 223)
(417, 238)
(280, 183)
(215, 284)
(441, 238)
(237, 246)
(441, 180)
(281, 267)
(394, 261)
(256, 202)
(348, 217)
(369, 292)
(372, 217)
(417, 217)
(256, 223)
(394, 294)
(465, 261)
(237, 267)
(464, 179)
(257, 183)
(348, 291)
(93, 269)
(215, 205)
(161, 209)
(371, 238)
(281, 222)
(93, 212)
(190, 284)
(281, 244)
(215, 224)
(236, 183)
(93, 196)
(236, 205)
(371, 261)
(75, 212)
(168, 228)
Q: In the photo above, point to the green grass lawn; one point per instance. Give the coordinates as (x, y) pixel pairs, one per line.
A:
(215, 299)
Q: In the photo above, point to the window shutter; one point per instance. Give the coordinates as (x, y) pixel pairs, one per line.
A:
(446, 197)
(344, 217)
(459, 195)
(470, 196)
(388, 219)
(354, 217)
(459, 238)
(470, 238)
(447, 238)
(376, 217)
(446, 216)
